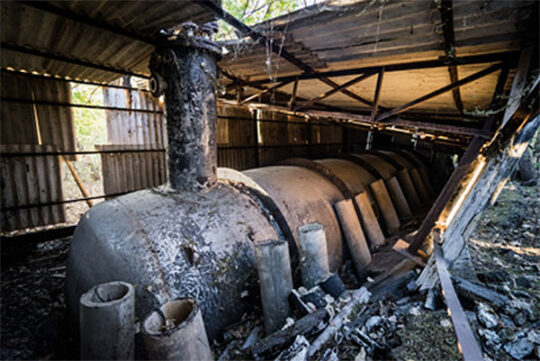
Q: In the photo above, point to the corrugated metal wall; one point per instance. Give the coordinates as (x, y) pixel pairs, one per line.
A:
(129, 171)
(246, 139)
(20, 120)
(133, 133)
(133, 127)
(30, 180)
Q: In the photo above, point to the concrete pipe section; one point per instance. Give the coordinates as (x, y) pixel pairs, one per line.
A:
(176, 332)
(107, 322)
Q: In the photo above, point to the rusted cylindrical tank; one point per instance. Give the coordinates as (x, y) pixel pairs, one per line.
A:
(195, 237)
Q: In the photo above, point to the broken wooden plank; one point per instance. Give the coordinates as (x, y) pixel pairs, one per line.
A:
(467, 343)
(358, 297)
(477, 292)
(273, 344)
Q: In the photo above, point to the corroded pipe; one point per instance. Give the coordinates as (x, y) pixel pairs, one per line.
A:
(184, 69)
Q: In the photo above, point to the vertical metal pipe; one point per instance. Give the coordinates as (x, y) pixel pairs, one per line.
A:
(313, 254)
(275, 278)
(176, 332)
(184, 69)
(107, 322)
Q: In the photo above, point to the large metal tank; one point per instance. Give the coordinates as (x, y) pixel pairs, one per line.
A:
(195, 236)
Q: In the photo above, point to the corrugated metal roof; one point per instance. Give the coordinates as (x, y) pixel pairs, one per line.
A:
(333, 36)
(27, 26)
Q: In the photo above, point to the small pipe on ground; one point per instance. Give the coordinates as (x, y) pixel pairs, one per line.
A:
(107, 322)
(274, 266)
(313, 254)
(176, 332)
(354, 235)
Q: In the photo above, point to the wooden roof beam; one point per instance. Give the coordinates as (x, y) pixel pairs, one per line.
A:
(511, 56)
(411, 104)
(447, 17)
(333, 91)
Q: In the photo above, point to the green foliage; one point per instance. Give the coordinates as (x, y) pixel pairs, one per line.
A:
(90, 124)
(252, 12)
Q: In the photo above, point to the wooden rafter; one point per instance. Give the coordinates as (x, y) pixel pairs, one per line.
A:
(450, 187)
(333, 91)
(411, 104)
(292, 101)
(377, 96)
(415, 65)
(267, 90)
(447, 17)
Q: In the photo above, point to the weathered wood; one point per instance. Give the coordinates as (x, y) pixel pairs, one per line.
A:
(78, 181)
(358, 297)
(446, 193)
(518, 84)
(424, 64)
(466, 341)
(477, 292)
(271, 345)
(447, 18)
(377, 96)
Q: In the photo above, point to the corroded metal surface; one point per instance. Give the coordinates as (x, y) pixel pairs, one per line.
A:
(184, 69)
(172, 244)
(304, 196)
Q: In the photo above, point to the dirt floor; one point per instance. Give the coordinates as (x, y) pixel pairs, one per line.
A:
(505, 256)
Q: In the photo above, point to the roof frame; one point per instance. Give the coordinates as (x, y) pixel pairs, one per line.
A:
(510, 56)
(422, 99)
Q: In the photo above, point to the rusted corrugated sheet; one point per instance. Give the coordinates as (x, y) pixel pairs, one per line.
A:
(124, 127)
(27, 26)
(130, 171)
(30, 180)
(46, 124)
